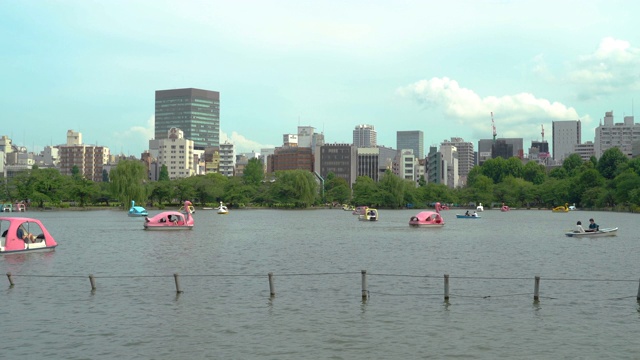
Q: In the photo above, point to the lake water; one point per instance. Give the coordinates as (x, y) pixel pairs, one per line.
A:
(588, 288)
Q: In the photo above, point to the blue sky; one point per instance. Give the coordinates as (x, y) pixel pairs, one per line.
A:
(436, 66)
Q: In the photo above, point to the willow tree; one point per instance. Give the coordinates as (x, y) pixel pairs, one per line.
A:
(128, 182)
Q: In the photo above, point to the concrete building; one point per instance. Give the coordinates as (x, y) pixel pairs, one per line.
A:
(565, 135)
(339, 159)
(436, 172)
(290, 158)
(450, 156)
(365, 136)
(196, 112)
(90, 159)
(227, 159)
(407, 165)
(413, 140)
(176, 152)
(466, 157)
(620, 135)
(586, 150)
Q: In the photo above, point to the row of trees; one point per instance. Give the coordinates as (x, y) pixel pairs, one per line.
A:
(611, 181)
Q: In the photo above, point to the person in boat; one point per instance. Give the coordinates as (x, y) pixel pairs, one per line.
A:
(475, 214)
(579, 227)
(25, 235)
(593, 226)
(467, 213)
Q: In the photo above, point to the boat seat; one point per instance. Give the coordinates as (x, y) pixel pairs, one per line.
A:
(4, 234)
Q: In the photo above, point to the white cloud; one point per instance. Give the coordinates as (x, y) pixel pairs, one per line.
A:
(241, 143)
(519, 115)
(613, 67)
(136, 134)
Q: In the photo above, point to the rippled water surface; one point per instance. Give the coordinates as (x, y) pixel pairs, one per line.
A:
(588, 306)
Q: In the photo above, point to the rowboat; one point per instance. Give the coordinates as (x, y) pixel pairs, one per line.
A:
(462, 216)
(603, 232)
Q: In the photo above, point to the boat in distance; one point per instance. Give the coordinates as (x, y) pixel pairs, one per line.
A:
(370, 215)
(171, 220)
(428, 219)
(463, 216)
(593, 234)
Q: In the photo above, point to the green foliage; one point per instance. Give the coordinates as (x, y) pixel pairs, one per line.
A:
(253, 172)
(128, 182)
(610, 161)
(297, 187)
(365, 192)
(164, 173)
(336, 189)
(571, 163)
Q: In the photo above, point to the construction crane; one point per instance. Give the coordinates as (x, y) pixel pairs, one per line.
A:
(542, 126)
(493, 126)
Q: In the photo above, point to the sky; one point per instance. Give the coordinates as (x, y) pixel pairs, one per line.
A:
(436, 66)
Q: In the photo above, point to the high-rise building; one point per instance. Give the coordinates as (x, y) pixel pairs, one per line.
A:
(466, 157)
(413, 140)
(196, 112)
(436, 172)
(450, 155)
(365, 136)
(565, 134)
(620, 135)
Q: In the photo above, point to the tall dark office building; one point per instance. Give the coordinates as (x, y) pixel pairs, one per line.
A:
(413, 140)
(194, 111)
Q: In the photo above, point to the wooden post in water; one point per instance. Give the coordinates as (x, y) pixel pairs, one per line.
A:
(446, 287)
(92, 280)
(536, 290)
(11, 280)
(272, 289)
(637, 296)
(365, 293)
(175, 277)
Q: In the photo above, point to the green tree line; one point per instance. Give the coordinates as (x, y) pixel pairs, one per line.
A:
(613, 181)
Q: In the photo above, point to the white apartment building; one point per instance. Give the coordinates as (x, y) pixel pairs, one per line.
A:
(450, 156)
(227, 159)
(620, 135)
(407, 164)
(466, 157)
(176, 153)
(365, 136)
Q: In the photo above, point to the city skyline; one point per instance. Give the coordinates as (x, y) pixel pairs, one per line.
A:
(402, 66)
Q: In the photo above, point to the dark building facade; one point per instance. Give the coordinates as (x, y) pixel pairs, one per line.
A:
(290, 158)
(196, 112)
(339, 159)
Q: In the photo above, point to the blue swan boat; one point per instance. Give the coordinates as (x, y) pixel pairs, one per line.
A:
(137, 210)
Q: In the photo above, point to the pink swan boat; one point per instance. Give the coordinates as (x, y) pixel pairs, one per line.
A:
(171, 220)
(14, 229)
(427, 218)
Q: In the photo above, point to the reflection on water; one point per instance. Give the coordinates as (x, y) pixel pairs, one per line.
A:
(316, 257)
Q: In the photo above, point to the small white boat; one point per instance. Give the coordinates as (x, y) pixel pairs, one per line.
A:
(592, 234)
(222, 210)
(480, 207)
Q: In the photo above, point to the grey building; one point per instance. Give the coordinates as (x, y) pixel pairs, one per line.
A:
(413, 140)
(566, 134)
(339, 159)
(365, 136)
(196, 112)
